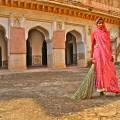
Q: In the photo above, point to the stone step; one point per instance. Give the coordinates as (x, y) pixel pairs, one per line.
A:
(43, 74)
(49, 74)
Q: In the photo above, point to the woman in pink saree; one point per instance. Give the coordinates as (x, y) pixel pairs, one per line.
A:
(106, 79)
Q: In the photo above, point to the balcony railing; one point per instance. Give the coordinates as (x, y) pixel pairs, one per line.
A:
(67, 2)
(89, 4)
(105, 7)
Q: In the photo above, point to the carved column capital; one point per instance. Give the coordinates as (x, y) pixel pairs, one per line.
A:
(17, 21)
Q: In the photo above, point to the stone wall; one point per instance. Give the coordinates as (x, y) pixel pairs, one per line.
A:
(49, 23)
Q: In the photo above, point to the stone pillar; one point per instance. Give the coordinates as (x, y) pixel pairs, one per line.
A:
(49, 53)
(17, 49)
(59, 49)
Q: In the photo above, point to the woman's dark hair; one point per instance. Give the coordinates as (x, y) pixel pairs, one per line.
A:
(99, 19)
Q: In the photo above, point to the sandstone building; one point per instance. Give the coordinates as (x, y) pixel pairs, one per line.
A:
(53, 33)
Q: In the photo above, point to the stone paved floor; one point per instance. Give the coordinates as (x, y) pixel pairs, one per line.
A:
(45, 96)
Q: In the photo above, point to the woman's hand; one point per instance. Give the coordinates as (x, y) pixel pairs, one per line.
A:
(92, 60)
(112, 59)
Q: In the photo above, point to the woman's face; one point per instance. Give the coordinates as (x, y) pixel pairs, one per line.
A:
(100, 24)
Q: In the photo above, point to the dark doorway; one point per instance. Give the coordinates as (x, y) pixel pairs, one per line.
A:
(44, 53)
(70, 45)
(0, 57)
(29, 54)
(70, 50)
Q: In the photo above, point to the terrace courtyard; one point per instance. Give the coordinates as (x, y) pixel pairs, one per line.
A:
(44, 94)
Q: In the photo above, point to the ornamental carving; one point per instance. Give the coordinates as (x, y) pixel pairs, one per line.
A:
(16, 21)
(59, 25)
(57, 9)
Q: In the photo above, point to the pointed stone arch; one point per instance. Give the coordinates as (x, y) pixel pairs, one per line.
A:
(2, 31)
(78, 48)
(3, 48)
(70, 49)
(37, 46)
(42, 30)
